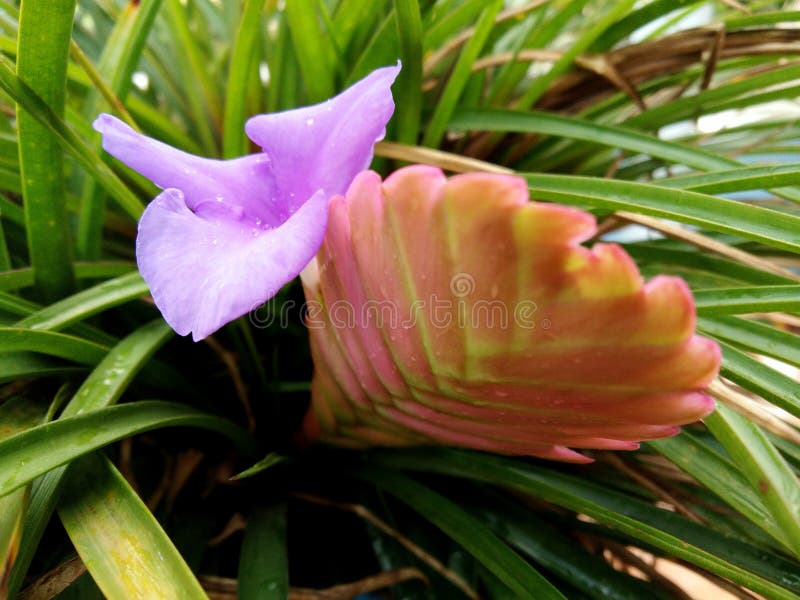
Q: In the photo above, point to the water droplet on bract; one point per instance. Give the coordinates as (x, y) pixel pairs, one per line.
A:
(219, 198)
(309, 121)
(190, 171)
(214, 242)
(258, 221)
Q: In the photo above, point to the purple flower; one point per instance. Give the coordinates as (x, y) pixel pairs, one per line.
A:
(224, 236)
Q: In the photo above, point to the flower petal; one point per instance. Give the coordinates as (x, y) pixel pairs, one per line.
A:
(246, 182)
(324, 146)
(209, 266)
(501, 331)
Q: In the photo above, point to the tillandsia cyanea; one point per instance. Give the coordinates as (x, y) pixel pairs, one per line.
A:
(224, 236)
(458, 312)
(440, 312)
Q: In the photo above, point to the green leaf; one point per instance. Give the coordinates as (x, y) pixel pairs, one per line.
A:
(87, 303)
(613, 14)
(766, 470)
(663, 255)
(435, 130)
(15, 339)
(547, 546)
(118, 539)
(474, 536)
(764, 18)
(312, 48)
(30, 453)
(714, 99)
(736, 180)
(22, 365)
(28, 99)
(587, 131)
(45, 27)
(733, 301)
(263, 564)
(760, 379)
(43, 497)
(408, 89)
(721, 476)
(201, 93)
(382, 49)
(120, 57)
(270, 460)
(752, 567)
(727, 216)
(16, 414)
(754, 336)
(243, 65)
(102, 388)
(111, 377)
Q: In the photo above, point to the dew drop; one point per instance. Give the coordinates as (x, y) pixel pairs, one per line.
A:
(214, 242)
(309, 121)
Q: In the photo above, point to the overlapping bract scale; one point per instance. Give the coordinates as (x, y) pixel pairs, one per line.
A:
(458, 312)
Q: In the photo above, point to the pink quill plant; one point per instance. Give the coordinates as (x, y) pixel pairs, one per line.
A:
(458, 312)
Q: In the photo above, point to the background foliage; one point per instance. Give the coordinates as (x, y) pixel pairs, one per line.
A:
(678, 117)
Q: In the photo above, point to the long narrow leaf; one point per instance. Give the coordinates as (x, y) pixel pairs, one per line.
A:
(473, 535)
(458, 78)
(29, 454)
(727, 216)
(762, 464)
(752, 567)
(263, 565)
(234, 141)
(45, 27)
(118, 539)
(87, 303)
(102, 388)
(28, 99)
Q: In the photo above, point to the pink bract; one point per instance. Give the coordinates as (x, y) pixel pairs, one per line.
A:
(457, 312)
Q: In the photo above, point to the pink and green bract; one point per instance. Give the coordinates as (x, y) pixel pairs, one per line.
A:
(458, 312)
(224, 236)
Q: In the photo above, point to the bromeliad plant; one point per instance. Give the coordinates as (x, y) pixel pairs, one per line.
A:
(447, 312)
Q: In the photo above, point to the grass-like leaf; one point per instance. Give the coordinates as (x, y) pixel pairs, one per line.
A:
(722, 476)
(87, 303)
(473, 535)
(118, 539)
(263, 565)
(727, 216)
(29, 454)
(736, 301)
(45, 28)
(240, 71)
(747, 565)
(766, 470)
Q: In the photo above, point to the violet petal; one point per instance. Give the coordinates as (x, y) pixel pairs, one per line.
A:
(324, 146)
(247, 182)
(205, 271)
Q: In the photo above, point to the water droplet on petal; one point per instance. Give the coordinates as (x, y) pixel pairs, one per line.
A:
(309, 121)
(214, 242)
